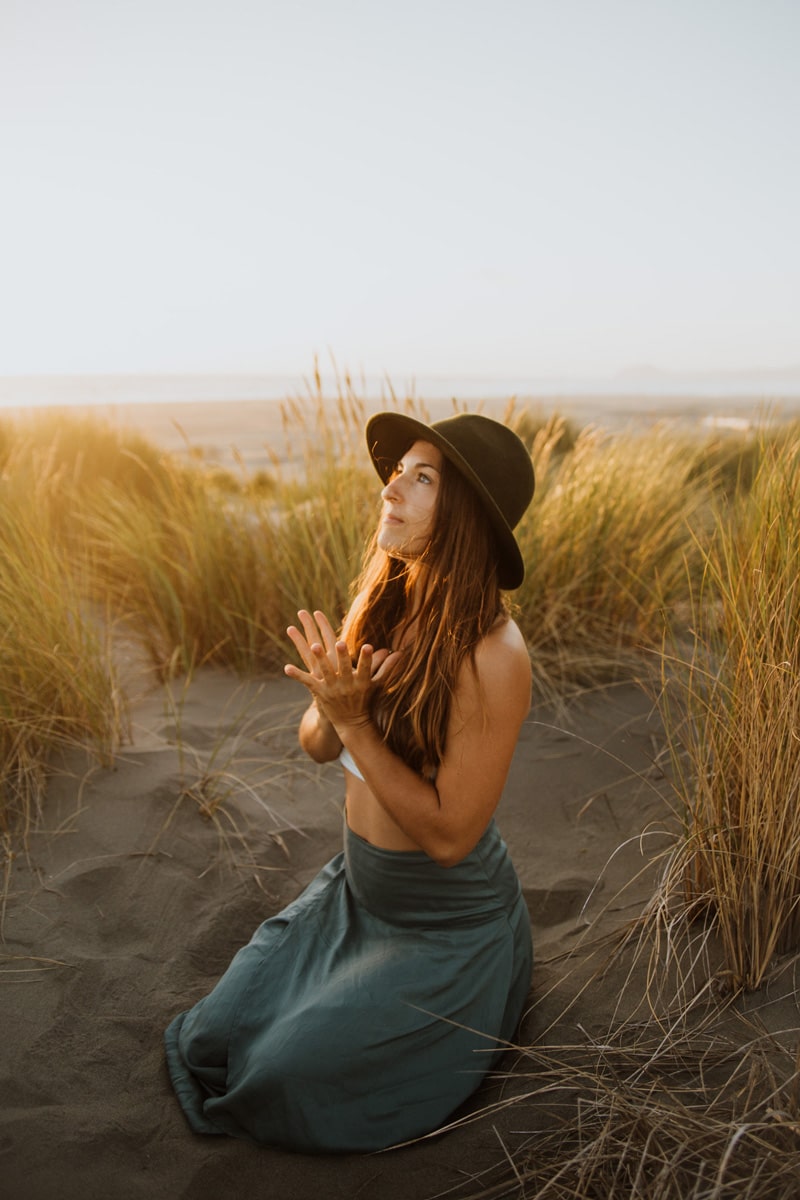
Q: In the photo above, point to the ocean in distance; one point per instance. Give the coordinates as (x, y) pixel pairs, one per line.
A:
(230, 417)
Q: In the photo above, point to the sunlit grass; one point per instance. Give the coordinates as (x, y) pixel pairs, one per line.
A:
(619, 543)
(188, 571)
(731, 708)
(208, 575)
(58, 687)
(605, 543)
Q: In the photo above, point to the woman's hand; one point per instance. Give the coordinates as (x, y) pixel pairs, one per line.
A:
(340, 690)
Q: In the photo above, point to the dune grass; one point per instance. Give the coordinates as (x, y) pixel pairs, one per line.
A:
(707, 1113)
(606, 544)
(205, 569)
(731, 710)
(628, 536)
(58, 685)
(209, 574)
(188, 571)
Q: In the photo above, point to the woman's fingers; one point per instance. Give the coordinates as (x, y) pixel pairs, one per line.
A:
(327, 631)
(301, 676)
(318, 629)
(302, 646)
(343, 660)
(309, 626)
(322, 661)
(364, 665)
(313, 635)
(330, 675)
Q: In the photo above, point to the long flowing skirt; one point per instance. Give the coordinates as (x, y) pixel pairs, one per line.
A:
(367, 1010)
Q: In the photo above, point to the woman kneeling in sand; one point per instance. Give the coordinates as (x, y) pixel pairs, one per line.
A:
(370, 1008)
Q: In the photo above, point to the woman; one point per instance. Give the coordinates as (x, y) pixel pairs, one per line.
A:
(368, 1010)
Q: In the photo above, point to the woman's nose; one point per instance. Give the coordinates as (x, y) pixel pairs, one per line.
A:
(391, 491)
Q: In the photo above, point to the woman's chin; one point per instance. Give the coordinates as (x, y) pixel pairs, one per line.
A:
(395, 547)
(392, 542)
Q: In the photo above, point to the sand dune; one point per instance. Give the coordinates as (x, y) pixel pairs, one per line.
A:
(131, 902)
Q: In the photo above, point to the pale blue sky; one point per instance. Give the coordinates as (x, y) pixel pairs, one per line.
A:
(490, 187)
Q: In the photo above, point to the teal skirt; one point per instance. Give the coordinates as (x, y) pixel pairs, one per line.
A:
(365, 1012)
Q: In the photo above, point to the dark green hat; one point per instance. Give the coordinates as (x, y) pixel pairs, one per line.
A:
(487, 453)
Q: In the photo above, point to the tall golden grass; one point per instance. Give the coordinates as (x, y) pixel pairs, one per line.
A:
(635, 543)
(606, 545)
(188, 570)
(58, 686)
(731, 708)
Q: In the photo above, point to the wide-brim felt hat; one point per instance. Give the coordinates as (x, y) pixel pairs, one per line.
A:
(488, 454)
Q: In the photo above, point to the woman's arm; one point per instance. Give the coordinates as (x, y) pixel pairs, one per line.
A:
(445, 819)
(448, 818)
(317, 735)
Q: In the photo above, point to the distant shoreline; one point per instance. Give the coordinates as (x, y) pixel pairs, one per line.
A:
(631, 386)
(227, 430)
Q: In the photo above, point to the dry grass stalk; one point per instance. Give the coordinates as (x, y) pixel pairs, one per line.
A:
(732, 714)
(605, 543)
(236, 777)
(206, 571)
(633, 1116)
(58, 686)
(190, 575)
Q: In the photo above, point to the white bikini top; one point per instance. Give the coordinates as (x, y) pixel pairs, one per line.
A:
(347, 761)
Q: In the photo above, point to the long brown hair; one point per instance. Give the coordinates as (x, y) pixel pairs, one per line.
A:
(435, 610)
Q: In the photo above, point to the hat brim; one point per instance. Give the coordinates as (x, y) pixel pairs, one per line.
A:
(389, 436)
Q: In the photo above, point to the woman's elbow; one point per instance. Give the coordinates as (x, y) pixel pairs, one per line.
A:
(450, 852)
(320, 749)
(320, 754)
(448, 860)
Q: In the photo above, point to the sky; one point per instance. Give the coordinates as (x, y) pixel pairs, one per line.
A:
(472, 187)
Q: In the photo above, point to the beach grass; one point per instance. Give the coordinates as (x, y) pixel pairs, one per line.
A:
(626, 1112)
(188, 571)
(730, 702)
(606, 544)
(58, 683)
(202, 566)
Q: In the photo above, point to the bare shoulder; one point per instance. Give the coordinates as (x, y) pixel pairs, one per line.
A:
(503, 667)
(506, 632)
(503, 649)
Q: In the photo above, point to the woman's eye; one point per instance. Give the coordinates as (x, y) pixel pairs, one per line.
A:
(423, 478)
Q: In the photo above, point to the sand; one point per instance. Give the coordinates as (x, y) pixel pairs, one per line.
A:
(131, 901)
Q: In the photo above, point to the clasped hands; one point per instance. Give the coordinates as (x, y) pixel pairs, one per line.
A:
(340, 690)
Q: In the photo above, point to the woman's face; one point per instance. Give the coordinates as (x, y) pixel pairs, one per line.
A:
(409, 502)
